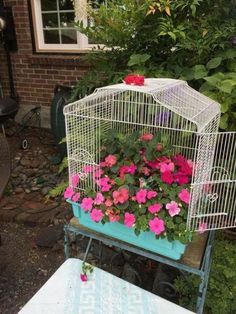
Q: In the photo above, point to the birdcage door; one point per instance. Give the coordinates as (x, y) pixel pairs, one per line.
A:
(213, 190)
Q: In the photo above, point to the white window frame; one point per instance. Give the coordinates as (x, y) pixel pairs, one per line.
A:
(82, 40)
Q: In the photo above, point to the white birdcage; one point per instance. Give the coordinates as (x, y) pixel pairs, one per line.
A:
(191, 121)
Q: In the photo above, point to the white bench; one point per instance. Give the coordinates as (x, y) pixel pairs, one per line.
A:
(103, 293)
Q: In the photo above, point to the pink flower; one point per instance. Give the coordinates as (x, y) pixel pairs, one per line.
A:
(155, 208)
(145, 171)
(76, 197)
(127, 169)
(202, 227)
(96, 214)
(157, 225)
(75, 180)
(159, 147)
(129, 219)
(173, 208)
(113, 217)
(169, 167)
(87, 203)
(104, 184)
(167, 177)
(154, 164)
(99, 199)
(83, 277)
(180, 178)
(110, 160)
(98, 173)
(68, 192)
(141, 196)
(108, 202)
(88, 168)
(151, 194)
(184, 196)
(146, 137)
(120, 196)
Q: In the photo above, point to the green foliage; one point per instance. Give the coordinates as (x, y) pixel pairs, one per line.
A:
(221, 291)
(186, 39)
(58, 190)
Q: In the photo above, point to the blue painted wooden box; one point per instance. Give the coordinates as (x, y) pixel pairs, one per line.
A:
(146, 240)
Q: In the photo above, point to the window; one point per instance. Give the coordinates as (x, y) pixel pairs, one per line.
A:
(53, 22)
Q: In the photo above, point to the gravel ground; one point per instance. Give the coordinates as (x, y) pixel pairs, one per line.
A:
(24, 267)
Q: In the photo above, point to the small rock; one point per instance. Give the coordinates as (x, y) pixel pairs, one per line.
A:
(27, 191)
(25, 162)
(45, 190)
(19, 190)
(10, 207)
(49, 236)
(35, 188)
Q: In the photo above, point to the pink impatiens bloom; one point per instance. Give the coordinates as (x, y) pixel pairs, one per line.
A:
(76, 197)
(202, 227)
(68, 192)
(96, 214)
(167, 177)
(173, 208)
(146, 137)
(166, 167)
(88, 168)
(108, 202)
(127, 169)
(120, 196)
(99, 199)
(181, 178)
(75, 180)
(104, 184)
(184, 196)
(110, 161)
(141, 196)
(155, 208)
(157, 225)
(113, 217)
(87, 203)
(129, 220)
(151, 194)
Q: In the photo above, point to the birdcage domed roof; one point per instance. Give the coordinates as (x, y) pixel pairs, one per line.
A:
(175, 95)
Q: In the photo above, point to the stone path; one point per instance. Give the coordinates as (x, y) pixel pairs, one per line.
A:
(34, 174)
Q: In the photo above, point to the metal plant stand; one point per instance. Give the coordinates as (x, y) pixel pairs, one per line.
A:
(203, 270)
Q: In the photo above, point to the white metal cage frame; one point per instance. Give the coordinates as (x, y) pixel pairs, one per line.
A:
(191, 121)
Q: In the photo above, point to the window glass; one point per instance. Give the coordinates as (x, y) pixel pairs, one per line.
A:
(50, 20)
(67, 19)
(68, 36)
(66, 5)
(49, 5)
(51, 36)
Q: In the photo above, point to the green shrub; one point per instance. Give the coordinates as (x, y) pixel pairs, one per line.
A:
(221, 292)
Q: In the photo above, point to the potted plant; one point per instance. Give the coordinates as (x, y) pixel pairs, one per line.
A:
(141, 195)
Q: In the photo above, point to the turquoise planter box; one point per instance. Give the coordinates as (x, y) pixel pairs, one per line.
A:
(145, 240)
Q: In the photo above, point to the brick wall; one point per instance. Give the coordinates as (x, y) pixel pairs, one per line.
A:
(35, 76)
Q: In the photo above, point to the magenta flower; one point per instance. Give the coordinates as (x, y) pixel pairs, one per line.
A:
(96, 214)
(181, 178)
(173, 208)
(75, 180)
(157, 225)
(127, 169)
(166, 167)
(110, 161)
(146, 137)
(202, 227)
(88, 168)
(184, 196)
(151, 194)
(99, 199)
(141, 196)
(83, 277)
(76, 197)
(87, 203)
(104, 184)
(155, 208)
(120, 196)
(129, 220)
(68, 192)
(167, 177)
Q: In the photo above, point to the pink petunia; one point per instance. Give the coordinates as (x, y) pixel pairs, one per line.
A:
(76, 197)
(157, 225)
(75, 180)
(167, 177)
(68, 192)
(141, 196)
(110, 161)
(151, 194)
(184, 196)
(155, 208)
(173, 208)
(120, 196)
(129, 220)
(96, 214)
(146, 137)
(87, 203)
(202, 227)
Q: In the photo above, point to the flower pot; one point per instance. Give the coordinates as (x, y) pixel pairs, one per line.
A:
(145, 240)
